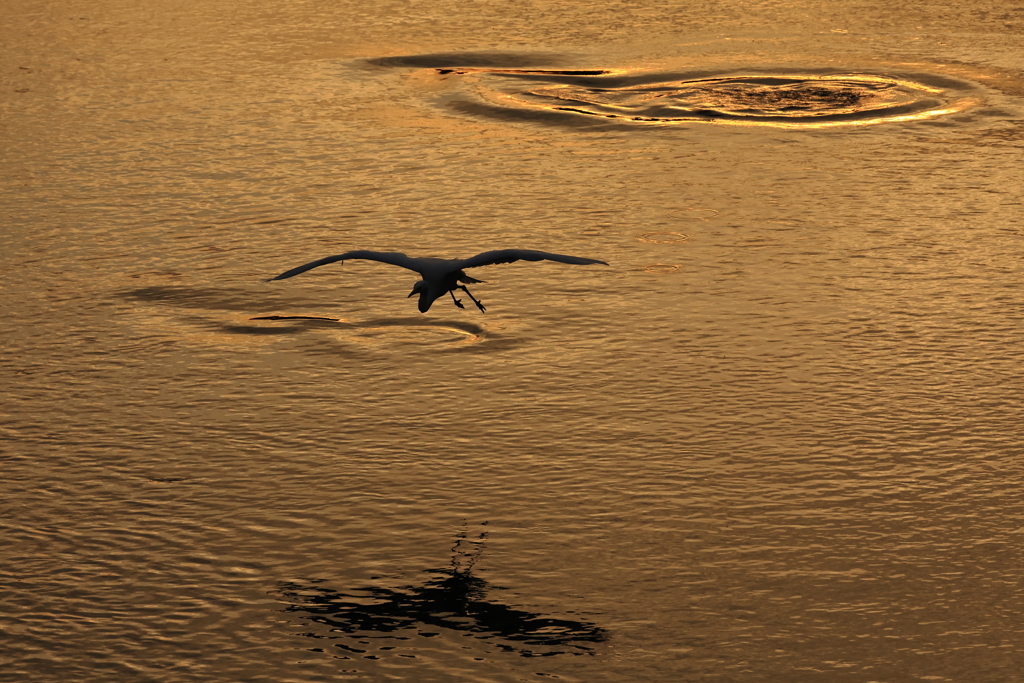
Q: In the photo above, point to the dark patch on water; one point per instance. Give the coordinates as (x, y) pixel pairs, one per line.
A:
(293, 317)
(440, 60)
(450, 600)
(453, 599)
(203, 298)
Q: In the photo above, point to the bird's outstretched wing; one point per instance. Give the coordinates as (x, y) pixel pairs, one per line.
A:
(509, 255)
(392, 257)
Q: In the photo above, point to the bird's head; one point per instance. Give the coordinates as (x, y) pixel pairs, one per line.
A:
(427, 296)
(418, 288)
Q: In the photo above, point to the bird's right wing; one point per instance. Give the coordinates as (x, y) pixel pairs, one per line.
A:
(510, 255)
(392, 257)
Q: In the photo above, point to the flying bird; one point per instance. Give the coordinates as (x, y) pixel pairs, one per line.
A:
(441, 276)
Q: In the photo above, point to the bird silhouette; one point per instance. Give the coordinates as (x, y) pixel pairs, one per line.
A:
(441, 276)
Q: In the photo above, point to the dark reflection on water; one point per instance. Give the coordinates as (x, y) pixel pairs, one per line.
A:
(293, 317)
(182, 296)
(502, 60)
(454, 599)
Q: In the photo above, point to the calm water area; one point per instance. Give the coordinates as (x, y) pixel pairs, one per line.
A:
(778, 439)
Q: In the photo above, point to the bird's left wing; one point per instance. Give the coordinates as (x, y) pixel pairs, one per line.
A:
(392, 257)
(510, 255)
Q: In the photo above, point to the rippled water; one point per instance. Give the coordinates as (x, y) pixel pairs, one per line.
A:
(777, 440)
(779, 100)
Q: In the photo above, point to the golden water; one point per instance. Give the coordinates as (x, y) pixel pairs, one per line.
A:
(778, 439)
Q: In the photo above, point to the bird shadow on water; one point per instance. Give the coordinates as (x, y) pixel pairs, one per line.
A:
(453, 600)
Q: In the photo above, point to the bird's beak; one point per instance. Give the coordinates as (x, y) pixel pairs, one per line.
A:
(411, 293)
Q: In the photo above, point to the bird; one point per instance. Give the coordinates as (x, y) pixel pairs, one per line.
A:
(441, 276)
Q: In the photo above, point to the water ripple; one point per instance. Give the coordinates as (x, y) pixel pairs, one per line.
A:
(797, 100)
(812, 98)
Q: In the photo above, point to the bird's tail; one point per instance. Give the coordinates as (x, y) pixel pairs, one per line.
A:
(467, 280)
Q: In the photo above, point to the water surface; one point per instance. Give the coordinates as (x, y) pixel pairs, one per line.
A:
(776, 440)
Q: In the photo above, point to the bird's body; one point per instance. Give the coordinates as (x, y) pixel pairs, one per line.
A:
(440, 276)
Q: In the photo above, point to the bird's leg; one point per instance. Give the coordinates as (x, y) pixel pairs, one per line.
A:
(475, 300)
(458, 302)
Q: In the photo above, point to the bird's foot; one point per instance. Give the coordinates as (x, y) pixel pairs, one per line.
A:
(458, 302)
(470, 295)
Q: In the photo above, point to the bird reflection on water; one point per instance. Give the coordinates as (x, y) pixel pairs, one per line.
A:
(453, 599)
